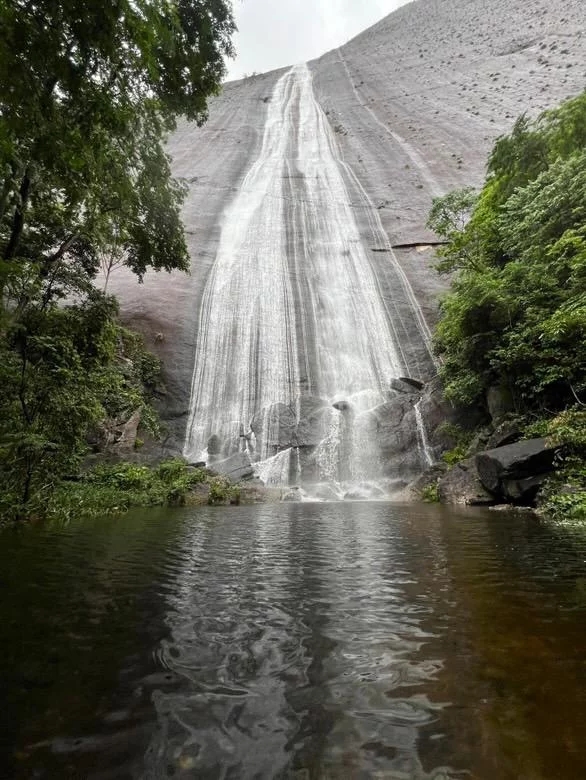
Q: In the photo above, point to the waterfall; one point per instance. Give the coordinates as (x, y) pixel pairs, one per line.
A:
(275, 470)
(425, 449)
(292, 305)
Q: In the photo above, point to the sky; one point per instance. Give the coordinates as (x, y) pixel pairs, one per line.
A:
(275, 33)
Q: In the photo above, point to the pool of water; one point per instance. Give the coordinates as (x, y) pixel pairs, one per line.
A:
(294, 641)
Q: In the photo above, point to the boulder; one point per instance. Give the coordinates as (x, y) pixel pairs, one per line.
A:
(236, 467)
(355, 495)
(414, 383)
(429, 477)
(500, 467)
(127, 440)
(293, 425)
(436, 412)
(499, 401)
(406, 385)
(462, 485)
(395, 486)
(342, 406)
(389, 437)
(506, 432)
(511, 508)
(523, 490)
(479, 441)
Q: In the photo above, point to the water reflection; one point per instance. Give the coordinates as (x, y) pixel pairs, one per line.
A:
(301, 641)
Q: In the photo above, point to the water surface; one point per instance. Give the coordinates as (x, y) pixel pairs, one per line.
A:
(294, 641)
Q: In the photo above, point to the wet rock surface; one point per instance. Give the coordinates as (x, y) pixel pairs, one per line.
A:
(302, 424)
(235, 467)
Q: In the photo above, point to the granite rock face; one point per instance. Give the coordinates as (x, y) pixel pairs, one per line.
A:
(461, 74)
(236, 467)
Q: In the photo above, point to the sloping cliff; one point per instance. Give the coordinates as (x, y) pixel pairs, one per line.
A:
(308, 196)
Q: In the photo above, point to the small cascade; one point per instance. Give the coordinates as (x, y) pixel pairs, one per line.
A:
(328, 453)
(424, 448)
(277, 470)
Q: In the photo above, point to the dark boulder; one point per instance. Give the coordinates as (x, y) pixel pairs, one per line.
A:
(523, 491)
(416, 384)
(462, 485)
(506, 432)
(499, 401)
(406, 385)
(499, 468)
(342, 406)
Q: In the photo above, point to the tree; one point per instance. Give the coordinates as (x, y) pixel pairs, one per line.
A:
(516, 312)
(88, 93)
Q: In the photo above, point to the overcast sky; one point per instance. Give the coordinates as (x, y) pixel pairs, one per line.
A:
(274, 33)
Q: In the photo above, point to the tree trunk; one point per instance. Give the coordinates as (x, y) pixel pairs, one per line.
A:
(18, 220)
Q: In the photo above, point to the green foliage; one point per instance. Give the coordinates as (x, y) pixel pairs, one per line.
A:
(567, 430)
(430, 493)
(461, 440)
(564, 495)
(448, 218)
(64, 372)
(222, 491)
(86, 102)
(455, 455)
(114, 489)
(516, 314)
(565, 506)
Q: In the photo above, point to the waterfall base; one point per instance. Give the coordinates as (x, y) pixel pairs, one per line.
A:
(365, 447)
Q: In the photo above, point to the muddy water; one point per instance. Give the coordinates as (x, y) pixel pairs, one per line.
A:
(299, 641)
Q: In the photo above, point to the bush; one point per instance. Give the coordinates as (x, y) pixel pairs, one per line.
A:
(430, 493)
(222, 492)
(113, 489)
(564, 495)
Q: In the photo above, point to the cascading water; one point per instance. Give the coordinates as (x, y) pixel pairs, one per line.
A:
(292, 309)
(426, 452)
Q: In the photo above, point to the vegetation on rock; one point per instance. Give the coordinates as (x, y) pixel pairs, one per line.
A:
(515, 317)
(116, 488)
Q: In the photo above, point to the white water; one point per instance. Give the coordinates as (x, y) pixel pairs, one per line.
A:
(275, 470)
(424, 447)
(292, 304)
